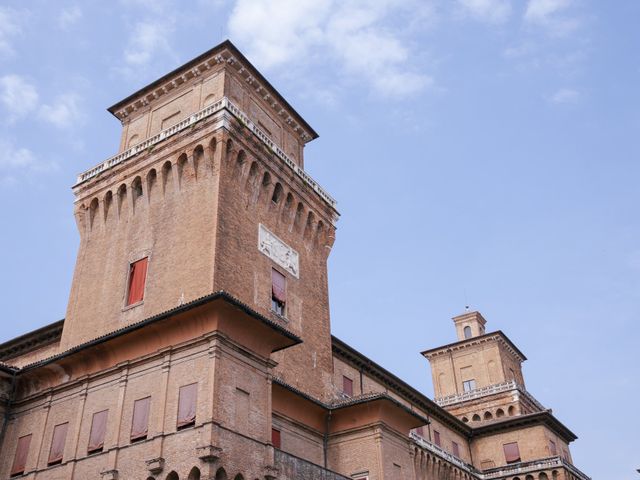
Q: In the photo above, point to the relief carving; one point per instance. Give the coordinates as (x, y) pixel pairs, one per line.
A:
(277, 250)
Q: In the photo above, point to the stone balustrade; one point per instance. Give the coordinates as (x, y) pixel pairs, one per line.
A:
(490, 390)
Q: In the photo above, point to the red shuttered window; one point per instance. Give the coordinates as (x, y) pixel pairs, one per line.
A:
(347, 386)
(276, 438)
(278, 292)
(436, 437)
(137, 279)
(56, 452)
(20, 458)
(98, 431)
(511, 452)
(456, 449)
(140, 421)
(187, 401)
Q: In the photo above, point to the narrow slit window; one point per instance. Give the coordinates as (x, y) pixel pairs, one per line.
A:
(20, 458)
(58, 441)
(140, 421)
(187, 402)
(276, 438)
(278, 292)
(98, 432)
(347, 386)
(511, 452)
(137, 280)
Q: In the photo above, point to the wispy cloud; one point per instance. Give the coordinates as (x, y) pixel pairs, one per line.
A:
(491, 11)
(148, 39)
(18, 163)
(358, 35)
(553, 16)
(10, 26)
(18, 96)
(565, 95)
(69, 17)
(63, 112)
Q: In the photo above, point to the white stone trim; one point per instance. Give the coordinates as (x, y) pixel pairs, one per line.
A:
(278, 251)
(222, 104)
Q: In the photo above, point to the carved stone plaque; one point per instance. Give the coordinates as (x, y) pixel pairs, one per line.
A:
(277, 250)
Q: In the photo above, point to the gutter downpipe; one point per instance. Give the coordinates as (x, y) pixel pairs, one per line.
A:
(7, 413)
(325, 440)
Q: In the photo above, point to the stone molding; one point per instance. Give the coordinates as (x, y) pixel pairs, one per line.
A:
(486, 391)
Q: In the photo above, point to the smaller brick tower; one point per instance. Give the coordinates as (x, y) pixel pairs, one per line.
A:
(479, 377)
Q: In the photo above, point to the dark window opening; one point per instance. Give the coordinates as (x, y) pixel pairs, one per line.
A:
(278, 292)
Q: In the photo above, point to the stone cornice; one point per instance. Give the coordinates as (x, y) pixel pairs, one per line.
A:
(32, 340)
(497, 336)
(545, 418)
(224, 53)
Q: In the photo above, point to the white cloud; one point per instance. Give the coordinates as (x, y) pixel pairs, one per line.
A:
(552, 15)
(355, 33)
(63, 112)
(565, 95)
(17, 163)
(491, 11)
(10, 26)
(18, 96)
(69, 16)
(147, 39)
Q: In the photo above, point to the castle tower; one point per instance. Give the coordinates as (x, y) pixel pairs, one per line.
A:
(479, 378)
(207, 194)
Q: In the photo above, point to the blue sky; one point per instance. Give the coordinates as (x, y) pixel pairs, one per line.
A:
(483, 153)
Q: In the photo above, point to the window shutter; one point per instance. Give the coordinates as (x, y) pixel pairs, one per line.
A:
(137, 278)
(511, 452)
(140, 422)
(20, 459)
(187, 405)
(278, 286)
(436, 437)
(56, 453)
(98, 431)
(276, 438)
(456, 449)
(347, 386)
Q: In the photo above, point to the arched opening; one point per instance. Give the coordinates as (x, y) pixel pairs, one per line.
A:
(288, 205)
(93, 211)
(476, 418)
(467, 332)
(238, 477)
(252, 177)
(152, 177)
(308, 228)
(488, 416)
(136, 189)
(122, 197)
(133, 139)
(465, 419)
(554, 475)
(172, 476)
(106, 204)
(529, 477)
(511, 411)
(229, 149)
(543, 476)
(198, 158)
(277, 193)
(499, 413)
(319, 236)
(194, 474)
(167, 175)
(265, 186)
(297, 221)
(182, 167)
(221, 474)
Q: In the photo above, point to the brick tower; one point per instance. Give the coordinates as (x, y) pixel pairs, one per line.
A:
(216, 199)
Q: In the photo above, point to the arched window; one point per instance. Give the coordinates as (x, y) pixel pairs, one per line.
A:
(221, 474)
(467, 332)
(488, 416)
(476, 418)
(512, 411)
(465, 419)
(194, 474)
(499, 413)
(173, 476)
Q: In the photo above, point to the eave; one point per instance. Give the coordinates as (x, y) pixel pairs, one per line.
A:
(474, 340)
(545, 418)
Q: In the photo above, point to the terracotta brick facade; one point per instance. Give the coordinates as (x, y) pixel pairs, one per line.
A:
(208, 187)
